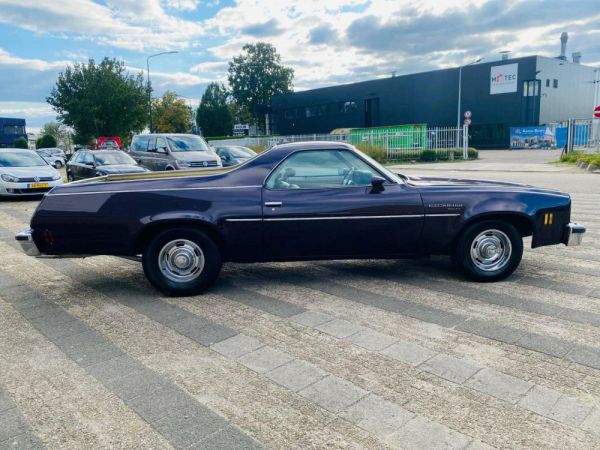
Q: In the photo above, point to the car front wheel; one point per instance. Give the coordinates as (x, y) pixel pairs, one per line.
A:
(181, 261)
(489, 251)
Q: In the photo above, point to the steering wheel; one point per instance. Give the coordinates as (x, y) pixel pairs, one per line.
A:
(348, 178)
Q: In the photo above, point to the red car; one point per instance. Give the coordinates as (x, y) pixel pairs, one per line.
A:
(109, 143)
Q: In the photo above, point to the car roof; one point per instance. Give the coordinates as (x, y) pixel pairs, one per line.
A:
(19, 150)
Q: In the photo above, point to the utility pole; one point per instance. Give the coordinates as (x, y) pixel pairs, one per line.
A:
(458, 114)
(149, 90)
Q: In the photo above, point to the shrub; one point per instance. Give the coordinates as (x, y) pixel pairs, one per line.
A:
(20, 142)
(472, 153)
(428, 155)
(375, 152)
(46, 141)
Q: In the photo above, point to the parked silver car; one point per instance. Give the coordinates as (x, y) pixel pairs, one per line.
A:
(54, 160)
(173, 152)
(23, 173)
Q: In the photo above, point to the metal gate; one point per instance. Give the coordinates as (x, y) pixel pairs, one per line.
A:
(583, 135)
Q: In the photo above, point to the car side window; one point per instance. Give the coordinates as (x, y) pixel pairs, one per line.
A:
(140, 144)
(161, 142)
(152, 145)
(87, 158)
(319, 169)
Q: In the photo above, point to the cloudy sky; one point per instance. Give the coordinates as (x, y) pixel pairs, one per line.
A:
(325, 41)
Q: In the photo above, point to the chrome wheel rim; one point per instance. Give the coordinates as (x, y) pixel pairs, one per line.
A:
(491, 250)
(181, 260)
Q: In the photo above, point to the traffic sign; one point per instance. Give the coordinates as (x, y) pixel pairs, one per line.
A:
(467, 122)
(467, 114)
(597, 111)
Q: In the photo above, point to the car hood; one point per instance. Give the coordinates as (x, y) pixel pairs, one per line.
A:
(120, 168)
(26, 172)
(425, 183)
(194, 156)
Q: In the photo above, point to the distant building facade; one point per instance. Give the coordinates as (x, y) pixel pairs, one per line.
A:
(517, 92)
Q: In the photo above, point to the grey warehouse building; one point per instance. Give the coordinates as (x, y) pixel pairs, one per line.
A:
(517, 92)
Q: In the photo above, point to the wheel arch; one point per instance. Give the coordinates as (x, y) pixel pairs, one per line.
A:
(144, 236)
(522, 222)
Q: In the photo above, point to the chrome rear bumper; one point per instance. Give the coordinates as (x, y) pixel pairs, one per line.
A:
(574, 234)
(25, 238)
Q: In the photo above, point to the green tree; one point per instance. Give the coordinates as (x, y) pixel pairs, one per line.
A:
(213, 115)
(170, 114)
(240, 113)
(100, 99)
(55, 129)
(46, 141)
(256, 76)
(20, 142)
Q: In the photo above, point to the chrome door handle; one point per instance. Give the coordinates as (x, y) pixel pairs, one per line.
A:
(273, 204)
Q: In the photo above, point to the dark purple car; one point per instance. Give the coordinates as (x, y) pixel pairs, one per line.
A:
(302, 201)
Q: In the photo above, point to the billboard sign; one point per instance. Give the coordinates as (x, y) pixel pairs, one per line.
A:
(532, 137)
(503, 79)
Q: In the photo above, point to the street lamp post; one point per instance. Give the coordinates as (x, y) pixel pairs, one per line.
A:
(148, 75)
(460, 68)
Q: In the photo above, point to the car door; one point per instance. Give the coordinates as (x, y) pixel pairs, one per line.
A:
(321, 204)
(87, 168)
(162, 153)
(139, 149)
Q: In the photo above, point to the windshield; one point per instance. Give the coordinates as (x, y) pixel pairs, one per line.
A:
(391, 175)
(189, 143)
(109, 159)
(21, 159)
(241, 152)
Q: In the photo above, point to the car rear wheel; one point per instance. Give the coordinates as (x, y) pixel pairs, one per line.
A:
(57, 165)
(181, 261)
(489, 250)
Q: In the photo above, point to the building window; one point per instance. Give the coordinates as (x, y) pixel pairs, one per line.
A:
(555, 83)
(290, 113)
(547, 82)
(349, 107)
(14, 129)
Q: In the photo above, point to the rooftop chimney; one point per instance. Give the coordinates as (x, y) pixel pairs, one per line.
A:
(576, 57)
(505, 54)
(564, 37)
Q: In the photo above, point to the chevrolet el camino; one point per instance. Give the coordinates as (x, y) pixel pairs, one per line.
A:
(302, 201)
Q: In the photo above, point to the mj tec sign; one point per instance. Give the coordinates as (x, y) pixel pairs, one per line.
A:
(503, 79)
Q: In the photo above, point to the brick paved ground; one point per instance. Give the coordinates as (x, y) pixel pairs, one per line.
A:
(369, 354)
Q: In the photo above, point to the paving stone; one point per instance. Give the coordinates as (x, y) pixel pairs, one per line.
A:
(86, 356)
(155, 405)
(65, 330)
(311, 318)
(540, 400)
(85, 340)
(40, 309)
(587, 356)
(114, 368)
(372, 340)
(433, 315)
(25, 441)
(12, 424)
(592, 421)
(161, 312)
(339, 328)
(228, 439)
(421, 433)
(568, 410)
(136, 384)
(263, 302)
(236, 346)
(545, 344)
(189, 426)
(47, 323)
(5, 401)
(478, 445)
(409, 352)
(492, 330)
(206, 335)
(265, 359)
(296, 375)
(333, 393)
(451, 368)
(499, 385)
(377, 415)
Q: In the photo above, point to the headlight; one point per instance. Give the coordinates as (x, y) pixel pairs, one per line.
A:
(56, 176)
(9, 178)
(183, 163)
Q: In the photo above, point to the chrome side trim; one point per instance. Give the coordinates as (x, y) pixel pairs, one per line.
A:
(280, 219)
(244, 220)
(443, 215)
(155, 190)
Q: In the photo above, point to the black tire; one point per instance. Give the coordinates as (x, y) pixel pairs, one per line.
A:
(57, 165)
(159, 278)
(470, 246)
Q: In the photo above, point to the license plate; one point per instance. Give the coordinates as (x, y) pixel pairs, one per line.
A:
(37, 185)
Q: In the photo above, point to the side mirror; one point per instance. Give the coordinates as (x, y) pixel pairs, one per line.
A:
(377, 184)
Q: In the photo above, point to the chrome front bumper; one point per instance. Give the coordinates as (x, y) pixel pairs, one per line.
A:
(574, 234)
(25, 238)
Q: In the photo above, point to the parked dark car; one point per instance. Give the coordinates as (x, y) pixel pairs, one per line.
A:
(95, 163)
(302, 201)
(232, 155)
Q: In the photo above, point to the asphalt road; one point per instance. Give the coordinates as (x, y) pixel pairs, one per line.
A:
(370, 354)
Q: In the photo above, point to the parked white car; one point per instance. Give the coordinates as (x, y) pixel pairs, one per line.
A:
(25, 173)
(55, 161)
